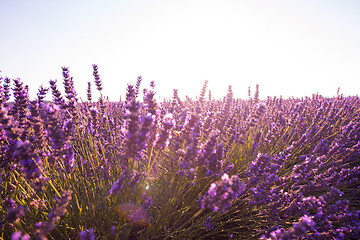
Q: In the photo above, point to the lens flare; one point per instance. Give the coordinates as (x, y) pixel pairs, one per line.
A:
(133, 213)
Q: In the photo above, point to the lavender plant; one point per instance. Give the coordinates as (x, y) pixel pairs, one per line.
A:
(177, 169)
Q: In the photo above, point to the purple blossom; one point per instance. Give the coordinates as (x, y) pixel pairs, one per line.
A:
(18, 235)
(164, 136)
(44, 228)
(88, 91)
(210, 156)
(36, 121)
(137, 86)
(253, 118)
(94, 113)
(113, 230)
(21, 101)
(14, 212)
(70, 92)
(147, 201)
(191, 122)
(147, 123)
(207, 151)
(41, 94)
(87, 234)
(132, 178)
(208, 224)
(118, 185)
(148, 120)
(98, 81)
(131, 125)
(57, 98)
(299, 230)
(60, 136)
(222, 193)
(6, 89)
(135, 178)
(68, 158)
(30, 164)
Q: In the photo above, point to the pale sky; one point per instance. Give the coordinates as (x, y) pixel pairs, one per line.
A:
(289, 48)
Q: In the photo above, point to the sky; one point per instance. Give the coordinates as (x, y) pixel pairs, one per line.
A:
(290, 48)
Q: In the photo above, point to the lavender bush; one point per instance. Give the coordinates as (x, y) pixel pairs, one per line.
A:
(179, 169)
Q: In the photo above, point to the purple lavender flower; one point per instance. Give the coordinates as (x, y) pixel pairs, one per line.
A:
(253, 118)
(30, 164)
(147, 123)
(41, 94)
(44, 228)
(60, 137)
(87, 234)
(147, 200)
(137, 86)
(68, 157)
(203, 92)
(131, 125)
(132, 178)
(191, 122)
(149, 120)
(222, 193)
(298, 230)
(6, 89)
(177, 104)
(229, 99)
(113, 230)
(164, 136)
(18, 235)
(135, 178)
(35, 119)
(70, 92)
(207, 151)
(98, 81)
(14, 212)
(119, 184)
(191, 133)
(9, 135)
(57, 98)
(208, 224)
(68, 83)
(89, 96)
(149, 101)
(21, 101)
(210, 156)
(94, 112)
(256, 95)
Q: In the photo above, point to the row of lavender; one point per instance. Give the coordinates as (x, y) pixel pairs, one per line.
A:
(196, 168)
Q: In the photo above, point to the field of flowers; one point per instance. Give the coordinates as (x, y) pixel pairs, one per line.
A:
(179, 169)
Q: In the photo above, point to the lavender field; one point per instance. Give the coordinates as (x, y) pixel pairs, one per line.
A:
(178, 169)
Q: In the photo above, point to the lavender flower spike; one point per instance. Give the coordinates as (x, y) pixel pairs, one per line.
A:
(87, 234)
(163, 138)
(222, 193)
(98, 81)
(19, 236)
(44, 228)
(299, 230)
